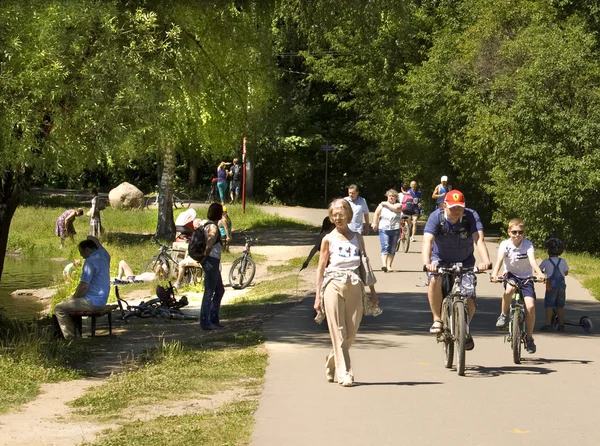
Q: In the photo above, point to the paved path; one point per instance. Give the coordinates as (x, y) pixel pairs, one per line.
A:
(405, 396)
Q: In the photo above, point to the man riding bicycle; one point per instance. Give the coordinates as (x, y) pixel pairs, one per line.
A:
(449, 237)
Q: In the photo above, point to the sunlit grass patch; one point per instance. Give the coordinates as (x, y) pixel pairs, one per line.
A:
(30, 356)
(231, 424)
(587, 267)
(291, 265)
(175, 370)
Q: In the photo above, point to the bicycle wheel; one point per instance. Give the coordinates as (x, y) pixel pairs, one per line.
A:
(406, 241)
(241, 273)
(516, 323)
(460, 336)
(448, 342)
(159, 262)
(193, 275)
(151, 201)
(183, 201)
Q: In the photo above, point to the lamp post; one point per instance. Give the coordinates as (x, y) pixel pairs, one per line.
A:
(326, 149)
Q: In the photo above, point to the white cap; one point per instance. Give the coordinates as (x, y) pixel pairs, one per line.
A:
(444, 178)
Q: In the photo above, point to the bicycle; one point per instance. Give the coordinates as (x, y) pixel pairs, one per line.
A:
(243, 268)
(455, 317)
(181, 200)
(584, 322)
(165, 305)
(213, 193)
(517, 318)
(170, 267)
(404, 239)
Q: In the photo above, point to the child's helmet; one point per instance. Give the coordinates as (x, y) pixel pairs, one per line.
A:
(555, 246)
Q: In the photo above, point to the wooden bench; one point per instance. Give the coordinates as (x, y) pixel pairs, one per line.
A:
(78, 315)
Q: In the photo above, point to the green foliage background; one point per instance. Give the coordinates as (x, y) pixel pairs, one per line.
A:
(501, 96)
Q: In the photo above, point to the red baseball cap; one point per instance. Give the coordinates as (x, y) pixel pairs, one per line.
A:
(455, 198)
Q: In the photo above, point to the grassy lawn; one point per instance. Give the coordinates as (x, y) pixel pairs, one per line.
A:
(29, 355)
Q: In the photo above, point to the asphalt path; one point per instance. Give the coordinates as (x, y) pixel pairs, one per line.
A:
(403, 393)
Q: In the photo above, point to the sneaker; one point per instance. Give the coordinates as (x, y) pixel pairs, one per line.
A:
(546, 327)
(470, 344)
(561, 327)
(531, 348)
(329, 374)
(347, 382)
(412, 239)
(502, 321)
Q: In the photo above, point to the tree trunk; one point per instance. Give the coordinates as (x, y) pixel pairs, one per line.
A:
(10, 197)
(165, 230)
(193, 173)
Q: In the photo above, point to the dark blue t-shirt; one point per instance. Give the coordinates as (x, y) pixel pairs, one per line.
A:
(453, 243)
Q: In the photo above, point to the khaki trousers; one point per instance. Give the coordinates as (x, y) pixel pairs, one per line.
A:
(344, 310)
(65, 321)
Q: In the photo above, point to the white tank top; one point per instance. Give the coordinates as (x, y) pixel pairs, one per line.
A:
(344, 255)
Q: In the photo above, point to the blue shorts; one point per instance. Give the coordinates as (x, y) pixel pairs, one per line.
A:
(388, 239)
(555, 298)
(527, 291)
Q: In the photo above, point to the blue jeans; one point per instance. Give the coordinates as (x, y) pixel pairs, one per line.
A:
(213, 292)
(388, 239)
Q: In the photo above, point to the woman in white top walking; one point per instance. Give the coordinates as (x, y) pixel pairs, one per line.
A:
(388, 223)
(340, 290)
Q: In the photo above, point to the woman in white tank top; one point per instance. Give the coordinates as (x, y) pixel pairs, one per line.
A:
(387, 222)
(340, 291)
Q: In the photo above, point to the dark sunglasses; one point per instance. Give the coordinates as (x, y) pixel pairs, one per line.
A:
(517, 232)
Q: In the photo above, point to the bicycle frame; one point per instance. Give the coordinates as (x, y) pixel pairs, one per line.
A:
(455, 314)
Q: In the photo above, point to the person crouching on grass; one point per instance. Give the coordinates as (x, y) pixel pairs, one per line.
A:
(518, 255)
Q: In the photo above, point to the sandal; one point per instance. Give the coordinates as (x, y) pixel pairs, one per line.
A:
(437, 327)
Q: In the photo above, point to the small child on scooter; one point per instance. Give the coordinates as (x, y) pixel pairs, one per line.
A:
(556, 269)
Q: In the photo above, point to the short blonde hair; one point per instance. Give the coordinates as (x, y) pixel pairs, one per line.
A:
(392, 192)
(340, 203)
(515, 222)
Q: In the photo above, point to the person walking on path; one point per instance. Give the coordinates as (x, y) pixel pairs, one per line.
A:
(236, 181)
(417, 200)
(65, 227)
(222, 181)
(93, 289)
(360, 210)
(449, 237)
(339, 290)
(439, 193)
(94, 213)
(387, 222)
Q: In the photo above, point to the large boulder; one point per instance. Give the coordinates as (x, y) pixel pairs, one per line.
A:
(126, 196)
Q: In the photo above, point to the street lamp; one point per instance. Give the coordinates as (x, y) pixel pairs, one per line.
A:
(326, 149)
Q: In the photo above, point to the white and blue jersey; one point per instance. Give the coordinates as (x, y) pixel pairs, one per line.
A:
(516, 260)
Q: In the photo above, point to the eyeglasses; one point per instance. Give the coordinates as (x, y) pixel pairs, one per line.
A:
(517, 232)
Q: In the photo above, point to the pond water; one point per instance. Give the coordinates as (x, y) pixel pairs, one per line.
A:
(26, 273)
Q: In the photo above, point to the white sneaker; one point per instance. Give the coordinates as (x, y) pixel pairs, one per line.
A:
(412, 239)
(347, 382)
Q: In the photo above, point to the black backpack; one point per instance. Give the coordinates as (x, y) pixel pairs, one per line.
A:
(197, 244)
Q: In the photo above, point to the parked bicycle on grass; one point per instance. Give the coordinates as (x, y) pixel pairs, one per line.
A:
(164, 305)
(243, 268)
(181, 200)
(165, 262)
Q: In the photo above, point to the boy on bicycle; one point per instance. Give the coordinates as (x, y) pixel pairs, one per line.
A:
(556, 269)
(518, 256)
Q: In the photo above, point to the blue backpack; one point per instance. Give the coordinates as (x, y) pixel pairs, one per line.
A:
(556, 280)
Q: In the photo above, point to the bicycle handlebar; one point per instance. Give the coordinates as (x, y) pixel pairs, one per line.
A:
(521, 282)
(455, 268)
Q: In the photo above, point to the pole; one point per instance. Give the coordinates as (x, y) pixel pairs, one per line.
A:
(244, 175)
